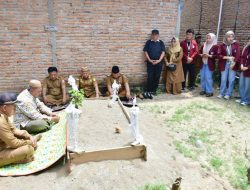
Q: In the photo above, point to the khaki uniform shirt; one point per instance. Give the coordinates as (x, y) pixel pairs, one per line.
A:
(54, 87)
(122, 79)
(88, 86)
(11, 137)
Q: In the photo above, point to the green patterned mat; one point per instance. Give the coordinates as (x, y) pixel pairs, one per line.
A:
(50, 149)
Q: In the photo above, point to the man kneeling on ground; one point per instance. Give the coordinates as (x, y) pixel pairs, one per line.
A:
(16, 146)
(124, 91)
(31, 114)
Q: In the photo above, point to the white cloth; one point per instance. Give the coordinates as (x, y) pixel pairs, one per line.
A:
(30, 108)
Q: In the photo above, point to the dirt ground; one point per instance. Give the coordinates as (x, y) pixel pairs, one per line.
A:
(171, 127)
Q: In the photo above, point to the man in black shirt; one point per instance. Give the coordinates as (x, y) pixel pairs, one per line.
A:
(154, 51)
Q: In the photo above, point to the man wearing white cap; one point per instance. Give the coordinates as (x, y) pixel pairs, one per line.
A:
(31, 114)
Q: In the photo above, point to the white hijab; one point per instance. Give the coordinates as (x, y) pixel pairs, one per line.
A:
(208, 46)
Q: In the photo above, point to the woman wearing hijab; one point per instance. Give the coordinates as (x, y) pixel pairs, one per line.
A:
(229, 61)
(175, 77)
(208, 53)
(244, 87)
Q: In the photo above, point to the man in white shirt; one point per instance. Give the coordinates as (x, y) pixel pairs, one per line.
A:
(31, 114)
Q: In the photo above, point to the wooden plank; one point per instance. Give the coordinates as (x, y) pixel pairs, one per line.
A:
(124, 110)
(121, 153)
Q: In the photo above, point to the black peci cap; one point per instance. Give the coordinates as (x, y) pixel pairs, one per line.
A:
(115, 69)
(155, 31)
(8, 98)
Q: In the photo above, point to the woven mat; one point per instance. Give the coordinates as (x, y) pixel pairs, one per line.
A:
(50, 149)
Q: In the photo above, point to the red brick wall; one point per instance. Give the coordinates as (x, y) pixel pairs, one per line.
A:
(24, 46)
(97, 34)
(191, 17)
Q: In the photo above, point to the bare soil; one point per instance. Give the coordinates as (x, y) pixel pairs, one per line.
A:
(166, 129)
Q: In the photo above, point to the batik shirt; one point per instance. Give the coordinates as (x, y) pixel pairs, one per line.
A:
(30, 108)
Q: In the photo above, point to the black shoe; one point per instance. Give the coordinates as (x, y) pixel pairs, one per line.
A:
(149, 95)
(202, 93)
(145, 95)
(183, 89)
(209, 94)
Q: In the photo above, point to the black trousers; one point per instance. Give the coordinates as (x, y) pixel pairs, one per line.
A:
(154, 75)
(190, 69)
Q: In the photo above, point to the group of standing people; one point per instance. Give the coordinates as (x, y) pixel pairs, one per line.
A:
(182, 58)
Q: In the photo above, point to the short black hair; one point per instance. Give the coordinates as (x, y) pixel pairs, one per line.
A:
(190, 30)
(155, 31)
(198, 35)
(52, 69)
(115, 69)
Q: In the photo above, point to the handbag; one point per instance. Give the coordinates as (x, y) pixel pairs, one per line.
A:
(171, 67)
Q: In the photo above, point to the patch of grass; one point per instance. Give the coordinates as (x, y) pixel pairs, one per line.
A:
(184, 150)
(201, 135)
(159, 186)
(239, 178)
(216, 162)
(186, 113)
(180, 115)
(155, 109)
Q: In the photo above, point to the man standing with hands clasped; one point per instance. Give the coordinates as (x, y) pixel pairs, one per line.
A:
(190, 50)
(154, 51)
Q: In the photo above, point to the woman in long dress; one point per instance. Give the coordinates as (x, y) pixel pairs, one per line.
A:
(174, 55)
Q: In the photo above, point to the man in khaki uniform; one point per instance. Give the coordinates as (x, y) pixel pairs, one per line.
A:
(124, 91)
(88, 83)
(54, 89)
(16, 146)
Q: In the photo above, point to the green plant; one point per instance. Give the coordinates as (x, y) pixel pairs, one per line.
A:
(77, 97)
(216, 162)
(159, 186)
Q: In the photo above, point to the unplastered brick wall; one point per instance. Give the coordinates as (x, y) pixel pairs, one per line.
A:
(96, 34)
(25, 50)
(204, 15)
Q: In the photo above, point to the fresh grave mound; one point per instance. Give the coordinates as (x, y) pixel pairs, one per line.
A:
(98, 124)
(50, 148)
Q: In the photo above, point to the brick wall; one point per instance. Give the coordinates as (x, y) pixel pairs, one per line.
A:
(97, 34)
(209, 19)
(24, 46)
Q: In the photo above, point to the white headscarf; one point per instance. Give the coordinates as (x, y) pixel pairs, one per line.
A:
(208, 46)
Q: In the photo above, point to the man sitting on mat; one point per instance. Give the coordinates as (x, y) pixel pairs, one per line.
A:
(88, 83)
(124, 91)
(31, 114)
(16, 146)
(54, 89)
